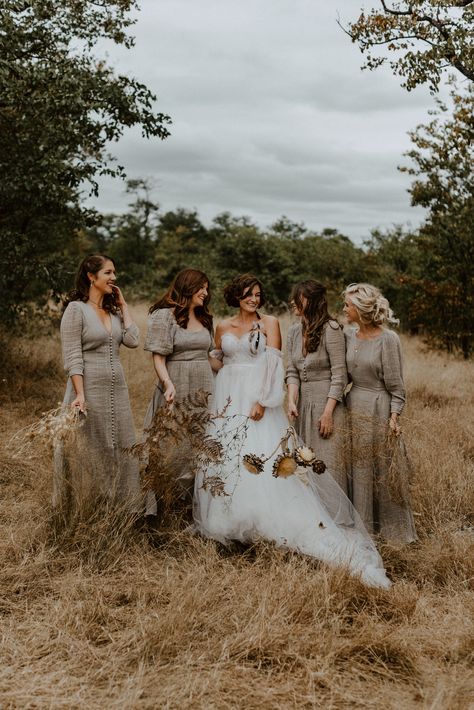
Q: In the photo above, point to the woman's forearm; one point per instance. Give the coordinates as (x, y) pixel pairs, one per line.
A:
(159, 363)
(293, 393)
(78, 384)
(126, 317)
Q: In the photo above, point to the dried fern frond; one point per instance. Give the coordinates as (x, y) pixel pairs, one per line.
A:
(215, 485)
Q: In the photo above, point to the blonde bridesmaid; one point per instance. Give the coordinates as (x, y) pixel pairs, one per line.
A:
(375, 402)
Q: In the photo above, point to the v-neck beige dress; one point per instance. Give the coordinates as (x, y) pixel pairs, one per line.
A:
(320, 375)
(98, 461)
(375, 370)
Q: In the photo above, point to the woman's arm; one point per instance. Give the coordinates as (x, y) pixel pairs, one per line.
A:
(130, 332)
(71, 342)
(292, 377)
(393, 376)
(216, 362)
(159, 363)
(336, 350)
(273, 332)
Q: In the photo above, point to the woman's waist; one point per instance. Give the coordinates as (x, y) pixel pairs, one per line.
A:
(189, 357)
(368, 386)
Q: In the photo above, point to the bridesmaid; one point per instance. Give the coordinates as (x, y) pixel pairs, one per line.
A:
(375, 402)
(180, 337)
(316, 377)
(95, 323)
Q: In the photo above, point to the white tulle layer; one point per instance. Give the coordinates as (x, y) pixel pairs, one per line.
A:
(312, 517)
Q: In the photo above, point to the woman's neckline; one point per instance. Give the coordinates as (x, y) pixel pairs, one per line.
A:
(369, 340)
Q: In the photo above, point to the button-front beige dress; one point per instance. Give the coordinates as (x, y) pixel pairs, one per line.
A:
(320, 375)
(98, 463)
(375, 369)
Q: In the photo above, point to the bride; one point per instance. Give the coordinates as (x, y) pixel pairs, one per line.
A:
(305, 512)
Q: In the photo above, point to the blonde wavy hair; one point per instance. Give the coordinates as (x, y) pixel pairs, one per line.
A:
(373, 308)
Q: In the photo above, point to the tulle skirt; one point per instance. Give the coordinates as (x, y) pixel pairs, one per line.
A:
(305, 512)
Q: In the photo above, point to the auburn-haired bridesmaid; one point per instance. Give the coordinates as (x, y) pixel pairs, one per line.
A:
(180, 338)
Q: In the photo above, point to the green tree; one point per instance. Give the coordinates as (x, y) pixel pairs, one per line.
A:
(60, 107)
(442, 163)
(425, 37)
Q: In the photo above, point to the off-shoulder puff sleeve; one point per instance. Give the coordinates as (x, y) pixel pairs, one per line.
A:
(71, 339)
(160, 333)
(336, 350)
(292, 376)
(130, 336)
(393, 370)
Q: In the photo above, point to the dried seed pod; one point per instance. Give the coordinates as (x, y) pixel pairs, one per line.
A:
(253, 464)
(319, 466)
(284, 465)
(305, 456)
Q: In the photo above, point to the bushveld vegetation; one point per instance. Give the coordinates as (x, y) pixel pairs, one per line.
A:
(97, 614)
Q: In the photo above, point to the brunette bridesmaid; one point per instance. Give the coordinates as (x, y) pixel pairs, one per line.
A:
(96, 322)
(316, 377)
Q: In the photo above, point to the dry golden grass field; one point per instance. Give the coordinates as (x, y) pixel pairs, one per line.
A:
(98, 617)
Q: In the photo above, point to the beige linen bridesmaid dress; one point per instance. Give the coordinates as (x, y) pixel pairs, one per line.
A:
(319, 375)
(375, 369)
(98, 463)
(187, 362)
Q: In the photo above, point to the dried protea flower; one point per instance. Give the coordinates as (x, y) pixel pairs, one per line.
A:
(253, 464)
(319, 466)
(284, 465)
(305, 456)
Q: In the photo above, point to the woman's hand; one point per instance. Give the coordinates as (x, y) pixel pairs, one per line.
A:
(119, 299)
(169, 391)
(257, 412)
(292, 410)
(79, 403)
(394, 424)
(326, 425)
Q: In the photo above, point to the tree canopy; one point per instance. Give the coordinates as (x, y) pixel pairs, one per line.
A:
(60, 107)
(424, 37)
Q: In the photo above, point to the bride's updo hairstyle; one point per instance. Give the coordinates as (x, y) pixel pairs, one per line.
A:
(373, 308)
(240, 287)
(91, 264)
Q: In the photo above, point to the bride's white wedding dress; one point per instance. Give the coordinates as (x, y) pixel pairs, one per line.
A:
(307, 513)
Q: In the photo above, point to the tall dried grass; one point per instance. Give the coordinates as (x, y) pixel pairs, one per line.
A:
(96, 617)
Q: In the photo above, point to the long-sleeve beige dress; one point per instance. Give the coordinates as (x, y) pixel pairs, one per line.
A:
(97, 464)
(319, 375)
(375, 369)
(187, 362)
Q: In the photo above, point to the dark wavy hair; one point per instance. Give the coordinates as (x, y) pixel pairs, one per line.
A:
(92, 264)
(314, 313)
(240, 287)
(179, 295)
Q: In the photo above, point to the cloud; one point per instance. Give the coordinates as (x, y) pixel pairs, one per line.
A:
(271, 115)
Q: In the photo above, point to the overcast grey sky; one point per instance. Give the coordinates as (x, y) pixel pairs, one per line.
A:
(271, 115)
